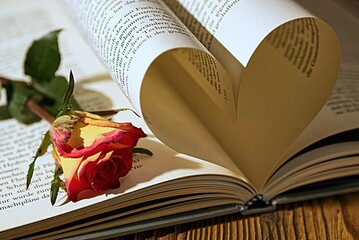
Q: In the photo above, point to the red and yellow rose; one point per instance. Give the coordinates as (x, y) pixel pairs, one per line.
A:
(92, 151)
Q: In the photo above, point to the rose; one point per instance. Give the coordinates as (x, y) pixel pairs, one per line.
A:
(92, 151)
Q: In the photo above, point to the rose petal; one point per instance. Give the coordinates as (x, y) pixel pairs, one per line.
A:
(125, 139)
(96, 154)
(74, 187)
(68, 165)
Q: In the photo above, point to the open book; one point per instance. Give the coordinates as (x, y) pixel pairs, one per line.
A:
(234, 97)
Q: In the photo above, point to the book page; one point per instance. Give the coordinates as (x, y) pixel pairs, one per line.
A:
(343, 17)
(129, 35)
(328, 162)
(286, 76)
(341, 111)
(130, 38)
(95, 90)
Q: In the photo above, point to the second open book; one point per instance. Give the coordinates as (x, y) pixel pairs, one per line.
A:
(232, 86)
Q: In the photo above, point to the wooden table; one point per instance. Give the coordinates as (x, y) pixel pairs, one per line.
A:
(327, 218)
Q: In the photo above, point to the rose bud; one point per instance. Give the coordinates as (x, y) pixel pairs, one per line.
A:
(92, 151)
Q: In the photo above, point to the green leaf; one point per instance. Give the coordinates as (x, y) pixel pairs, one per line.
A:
(128, 109)
(113, 112)
(41, 150)
(66, 106)
(43, 58)
(17, 97)
(55, 90)
(4, 113)
(69, 92)
(142, 151)
(55, 184)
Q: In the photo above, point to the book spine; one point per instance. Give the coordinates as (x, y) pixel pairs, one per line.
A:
(258, 204)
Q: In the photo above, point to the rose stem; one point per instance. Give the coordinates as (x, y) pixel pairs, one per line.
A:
(34, 107)
(5, 81)
(39, 111)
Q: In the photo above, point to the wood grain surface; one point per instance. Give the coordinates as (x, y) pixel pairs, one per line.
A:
(328, 218)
